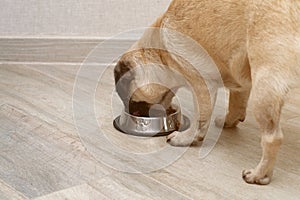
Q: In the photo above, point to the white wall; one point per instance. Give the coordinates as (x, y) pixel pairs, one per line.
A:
(77, 18)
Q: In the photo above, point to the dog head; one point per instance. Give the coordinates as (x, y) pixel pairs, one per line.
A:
(139, 80)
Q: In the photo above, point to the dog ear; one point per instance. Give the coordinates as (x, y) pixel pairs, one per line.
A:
(123, 77)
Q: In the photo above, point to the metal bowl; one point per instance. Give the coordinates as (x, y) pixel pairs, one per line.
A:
(151, 126)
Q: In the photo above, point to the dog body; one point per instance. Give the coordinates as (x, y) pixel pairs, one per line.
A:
(256, 48)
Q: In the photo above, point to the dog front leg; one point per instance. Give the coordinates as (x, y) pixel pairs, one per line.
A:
(205, 100)
(191, 136)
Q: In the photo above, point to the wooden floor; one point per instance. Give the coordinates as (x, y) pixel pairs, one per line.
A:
(42, 157)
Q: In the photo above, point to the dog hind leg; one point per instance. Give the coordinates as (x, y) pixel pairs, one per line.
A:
(268, 94)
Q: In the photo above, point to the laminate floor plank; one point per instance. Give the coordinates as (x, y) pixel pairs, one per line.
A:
(81, 192)
(9, 193)
(43, 154)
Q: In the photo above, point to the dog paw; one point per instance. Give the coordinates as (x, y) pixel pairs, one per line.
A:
(251, 177)
(182, 139)
(225, 123)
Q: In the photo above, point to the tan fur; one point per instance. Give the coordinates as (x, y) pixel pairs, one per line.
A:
(256, 47)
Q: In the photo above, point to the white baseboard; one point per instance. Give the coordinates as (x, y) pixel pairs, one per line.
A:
(58, 50)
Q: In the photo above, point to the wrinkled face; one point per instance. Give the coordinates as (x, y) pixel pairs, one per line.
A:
(139, 93)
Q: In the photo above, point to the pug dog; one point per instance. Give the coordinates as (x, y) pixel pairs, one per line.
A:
(256, 48)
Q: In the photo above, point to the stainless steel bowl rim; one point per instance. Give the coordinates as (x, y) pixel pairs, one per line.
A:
(151, 126)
